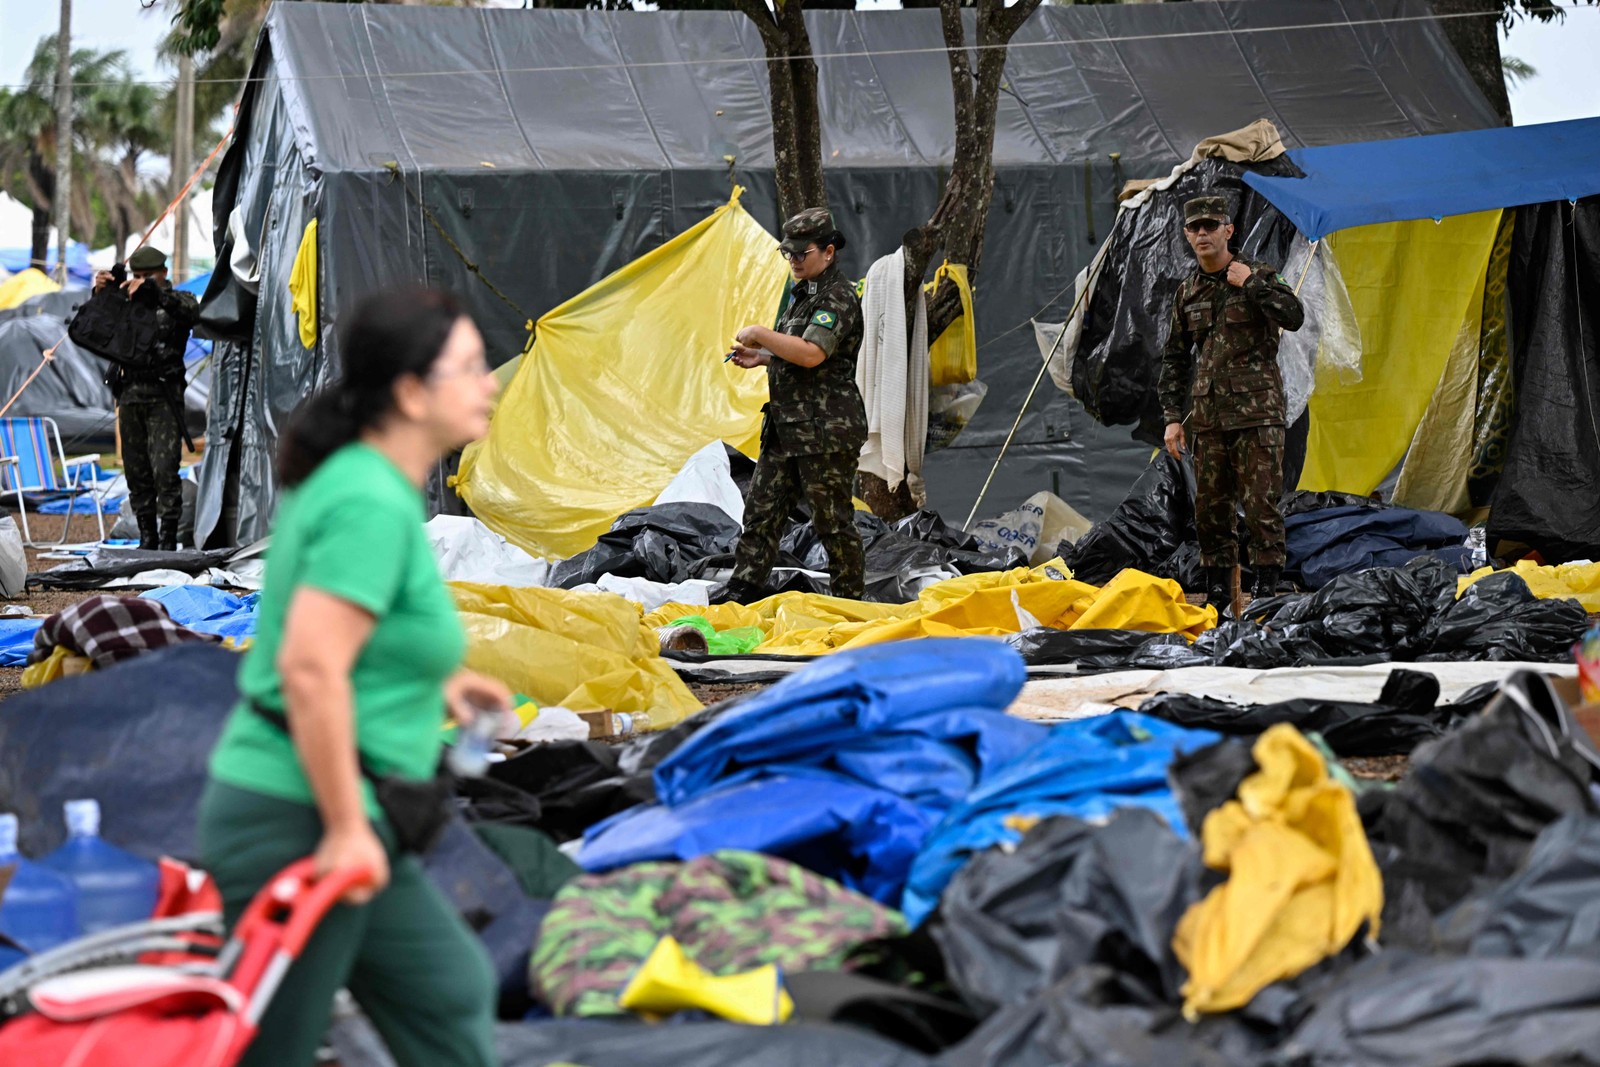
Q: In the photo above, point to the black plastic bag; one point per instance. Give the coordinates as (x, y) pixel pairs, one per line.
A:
(695, 1044)
(657, 543)
(1498, 618)
(1153, 523)
(1207, 778)
(1089, 649)
(1013, 922)
(1401, 718)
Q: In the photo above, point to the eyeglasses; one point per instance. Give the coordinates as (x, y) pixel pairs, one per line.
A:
(479, 369)
(796, 257)
(1202, 225)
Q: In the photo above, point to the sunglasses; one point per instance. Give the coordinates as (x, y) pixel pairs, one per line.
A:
(1202, 225)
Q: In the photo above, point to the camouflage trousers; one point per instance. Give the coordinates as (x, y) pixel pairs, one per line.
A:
(152, 449)
(828, 482)
(1232, 468)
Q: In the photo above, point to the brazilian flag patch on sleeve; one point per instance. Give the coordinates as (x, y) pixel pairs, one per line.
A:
(826, 319)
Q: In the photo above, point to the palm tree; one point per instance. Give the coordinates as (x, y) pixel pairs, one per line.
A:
(28, 138)
(121, 121)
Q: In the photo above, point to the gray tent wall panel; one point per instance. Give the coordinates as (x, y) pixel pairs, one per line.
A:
(549, 179)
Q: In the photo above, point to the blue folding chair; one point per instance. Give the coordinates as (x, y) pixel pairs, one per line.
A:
(37, 473)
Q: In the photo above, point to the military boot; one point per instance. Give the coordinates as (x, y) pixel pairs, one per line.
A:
(1267, 578)
(149, 539)
(735, 591)
(1219, 588)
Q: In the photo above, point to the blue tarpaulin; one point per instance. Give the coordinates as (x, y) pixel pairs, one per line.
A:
(1087, 769)
(16, 640)
(1323, 544)
(206, 610)
(843, 767)
(17, 260)
(1435, 176)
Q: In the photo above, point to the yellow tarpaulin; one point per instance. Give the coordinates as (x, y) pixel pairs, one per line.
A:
(25, 285)
(1578, 581)
(303, 285)
(579, 651)
(1413, 286)
(974, 605)
(624, 383)
(953, 356)
(1301, 879)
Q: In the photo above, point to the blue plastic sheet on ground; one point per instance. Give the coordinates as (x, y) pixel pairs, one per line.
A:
(886, 714)
(209, 611)
(1326, 543)
(16, 640)
(863, 838)
(81, 505)
(843, 767)
(1087, 769)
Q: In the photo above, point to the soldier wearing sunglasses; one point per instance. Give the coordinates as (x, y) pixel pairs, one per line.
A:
(1223, 333)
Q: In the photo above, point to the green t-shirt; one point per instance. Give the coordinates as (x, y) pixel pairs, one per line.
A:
(354, 530)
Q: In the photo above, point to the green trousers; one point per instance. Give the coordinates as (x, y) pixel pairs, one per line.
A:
(417, 970)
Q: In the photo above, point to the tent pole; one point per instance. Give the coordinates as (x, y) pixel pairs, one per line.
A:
(976, 504)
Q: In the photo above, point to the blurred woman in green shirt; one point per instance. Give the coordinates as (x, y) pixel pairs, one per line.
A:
(356, 662)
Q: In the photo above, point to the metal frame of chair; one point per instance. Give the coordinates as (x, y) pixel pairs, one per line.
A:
(14, 472)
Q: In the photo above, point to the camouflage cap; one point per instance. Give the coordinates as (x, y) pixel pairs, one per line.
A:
(1205, 207)
(147, 258)
(814, 225)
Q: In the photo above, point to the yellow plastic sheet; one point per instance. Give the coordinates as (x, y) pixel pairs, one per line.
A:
(1301, 879)
(1413, 285)
(25, 285)
(303, 285)
(974, 605)
(953, 356)
(62, 663)
(1577, 581)
(623, 384)
(580, 651)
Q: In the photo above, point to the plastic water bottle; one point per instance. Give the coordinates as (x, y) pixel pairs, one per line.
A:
(38, 908)
(468, 757)
(114, 887)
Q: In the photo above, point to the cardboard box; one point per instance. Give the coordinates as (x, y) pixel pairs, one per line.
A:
(1588, 715)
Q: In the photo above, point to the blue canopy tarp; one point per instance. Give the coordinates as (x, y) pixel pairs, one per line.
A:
(1435, 176)
(17, 260)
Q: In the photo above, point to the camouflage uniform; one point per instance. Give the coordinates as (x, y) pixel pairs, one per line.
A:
(150, 406)
(814, 426)
(731, 911)
(1238, 415)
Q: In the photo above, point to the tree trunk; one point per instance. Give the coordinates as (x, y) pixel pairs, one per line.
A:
(796, 117)
(1477, 41)
(39, 253)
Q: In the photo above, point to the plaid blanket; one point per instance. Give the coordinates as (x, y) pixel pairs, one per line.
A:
(109, 629)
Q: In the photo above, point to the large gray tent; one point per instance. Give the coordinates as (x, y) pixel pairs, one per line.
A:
(520, 156)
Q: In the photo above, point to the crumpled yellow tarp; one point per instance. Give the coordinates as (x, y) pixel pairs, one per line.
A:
(669, 982)
(623, 384)
(61, 663)
(303, 285)
(579, 651)
(974, 605)
(1301, 879)
(25, 285)
(1576, 581)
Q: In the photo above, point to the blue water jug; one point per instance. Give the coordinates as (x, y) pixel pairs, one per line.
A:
(38, 906)
(114, 887)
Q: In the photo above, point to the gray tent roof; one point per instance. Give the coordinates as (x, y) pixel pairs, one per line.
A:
(461, 88)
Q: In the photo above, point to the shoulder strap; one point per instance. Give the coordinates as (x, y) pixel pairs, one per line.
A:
(281, 721)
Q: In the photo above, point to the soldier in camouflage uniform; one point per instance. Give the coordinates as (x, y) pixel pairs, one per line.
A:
(815, 422)
(1226, 320)
(151, 403)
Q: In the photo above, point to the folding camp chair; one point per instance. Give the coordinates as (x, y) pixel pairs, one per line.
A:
(37, 473)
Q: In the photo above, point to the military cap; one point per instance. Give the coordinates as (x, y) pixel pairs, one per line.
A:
(147, 258)
(1205, 207)
(814, 225)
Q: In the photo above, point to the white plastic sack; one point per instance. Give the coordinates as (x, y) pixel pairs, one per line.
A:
(950, 408)
(651, 595)
(468, 551)
(13, 561)
(1037, 527)
(554, 724)
(707, 479)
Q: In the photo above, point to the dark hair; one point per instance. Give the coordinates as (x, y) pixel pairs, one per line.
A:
(386, 335)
